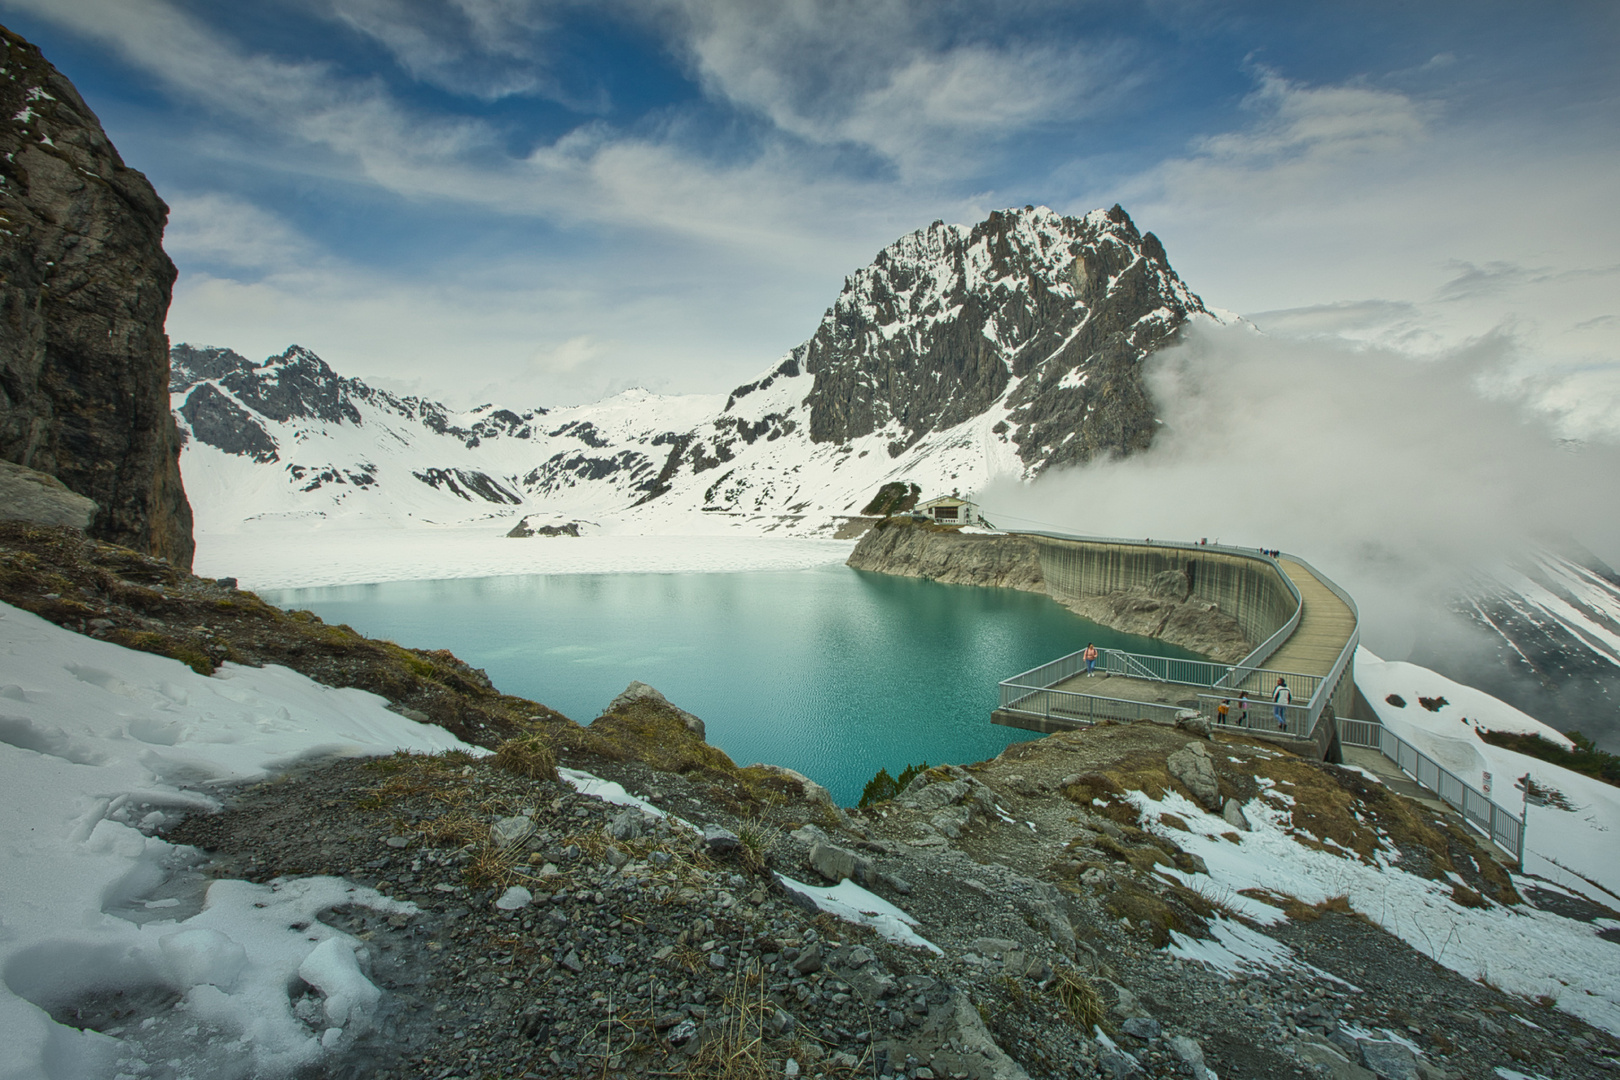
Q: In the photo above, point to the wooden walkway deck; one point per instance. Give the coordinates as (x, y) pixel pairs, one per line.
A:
(1325, 624)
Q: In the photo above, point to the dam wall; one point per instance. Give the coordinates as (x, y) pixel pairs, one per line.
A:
(1246, 587)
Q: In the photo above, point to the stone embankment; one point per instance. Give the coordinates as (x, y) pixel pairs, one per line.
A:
(906, 548)
(1162, 605)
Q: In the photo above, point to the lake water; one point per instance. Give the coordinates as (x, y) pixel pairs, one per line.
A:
(831, 671)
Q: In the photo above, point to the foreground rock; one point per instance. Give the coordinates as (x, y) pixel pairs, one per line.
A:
(32, 496)
(85, 286)
(560, 935)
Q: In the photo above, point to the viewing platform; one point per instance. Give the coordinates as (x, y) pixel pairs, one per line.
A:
(1308, 629)
(1306, 626)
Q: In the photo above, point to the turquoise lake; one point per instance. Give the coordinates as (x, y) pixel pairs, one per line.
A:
(831, 671)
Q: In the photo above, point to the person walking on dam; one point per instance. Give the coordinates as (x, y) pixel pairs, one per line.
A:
(1283, 698)
(1243, 708)
(1090, 657)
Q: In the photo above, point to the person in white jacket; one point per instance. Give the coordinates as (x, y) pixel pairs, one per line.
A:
(1283, 698)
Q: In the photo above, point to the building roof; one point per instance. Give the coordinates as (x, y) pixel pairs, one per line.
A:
(945, 500)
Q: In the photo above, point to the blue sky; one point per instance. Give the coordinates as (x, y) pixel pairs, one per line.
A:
(541, 201)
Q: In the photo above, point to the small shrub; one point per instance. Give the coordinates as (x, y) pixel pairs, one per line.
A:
(883, 787)
(1586, 758)
(1396, 700)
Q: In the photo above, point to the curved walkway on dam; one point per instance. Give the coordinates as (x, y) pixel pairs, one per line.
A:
(1326, 625)
(1308, 631)
(1305, 626)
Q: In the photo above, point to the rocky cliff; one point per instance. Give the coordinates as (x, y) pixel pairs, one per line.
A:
(1162, 608)
(1049, 316)
(84, 290)
(915, 549)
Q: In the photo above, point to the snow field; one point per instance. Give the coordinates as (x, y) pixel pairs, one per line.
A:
(1578, 847)
(289, 556)
(99, 746)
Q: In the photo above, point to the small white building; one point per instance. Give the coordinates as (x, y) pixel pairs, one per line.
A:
(951, 510)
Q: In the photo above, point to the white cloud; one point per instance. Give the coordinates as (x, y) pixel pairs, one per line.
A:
(884, 75)
(1319, 126)
(1398, 478)
(225, 231)
(1364, 213)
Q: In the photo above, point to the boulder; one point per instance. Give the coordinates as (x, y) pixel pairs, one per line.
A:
(835, 864)
(510, 830)
(1190, 1054)
(1389, 1060)
(1233, 813)
(720, 841)
(29, 495)
(1192, 766)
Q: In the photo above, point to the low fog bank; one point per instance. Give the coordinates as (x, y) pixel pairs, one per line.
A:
(1401, 479)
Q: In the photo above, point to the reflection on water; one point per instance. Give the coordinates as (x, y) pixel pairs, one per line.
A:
(831, 671)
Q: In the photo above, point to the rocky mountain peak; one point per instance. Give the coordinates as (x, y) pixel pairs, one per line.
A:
(1047, 315)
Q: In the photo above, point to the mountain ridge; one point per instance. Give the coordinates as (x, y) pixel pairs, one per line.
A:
(960, 353)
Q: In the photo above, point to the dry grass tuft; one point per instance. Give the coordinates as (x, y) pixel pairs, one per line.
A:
(529, 755)
(1079, 998)
(736, 1051)
(757, 838)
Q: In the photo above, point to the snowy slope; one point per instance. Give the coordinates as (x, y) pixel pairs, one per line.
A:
(961, 354)
(99, 745)
(1522, 949)
(1574, 839)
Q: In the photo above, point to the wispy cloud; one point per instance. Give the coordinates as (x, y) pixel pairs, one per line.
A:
(887, 77)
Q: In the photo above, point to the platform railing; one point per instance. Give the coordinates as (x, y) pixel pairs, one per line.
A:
(1068, 706)
(1262, 716)
(1204, 674)
(1500, 825)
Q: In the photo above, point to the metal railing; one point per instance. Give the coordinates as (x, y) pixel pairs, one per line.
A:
(1072, 707)
(1502, 827)
(1031, 692)
(1262, 716)
(1204, 674)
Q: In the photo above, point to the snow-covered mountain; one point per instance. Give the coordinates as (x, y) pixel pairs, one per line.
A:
(958, 355)
(1551, 624)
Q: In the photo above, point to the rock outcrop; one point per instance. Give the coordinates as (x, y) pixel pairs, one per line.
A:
(83, 358)
(906, 548)
(944, 321)
(29, 495)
